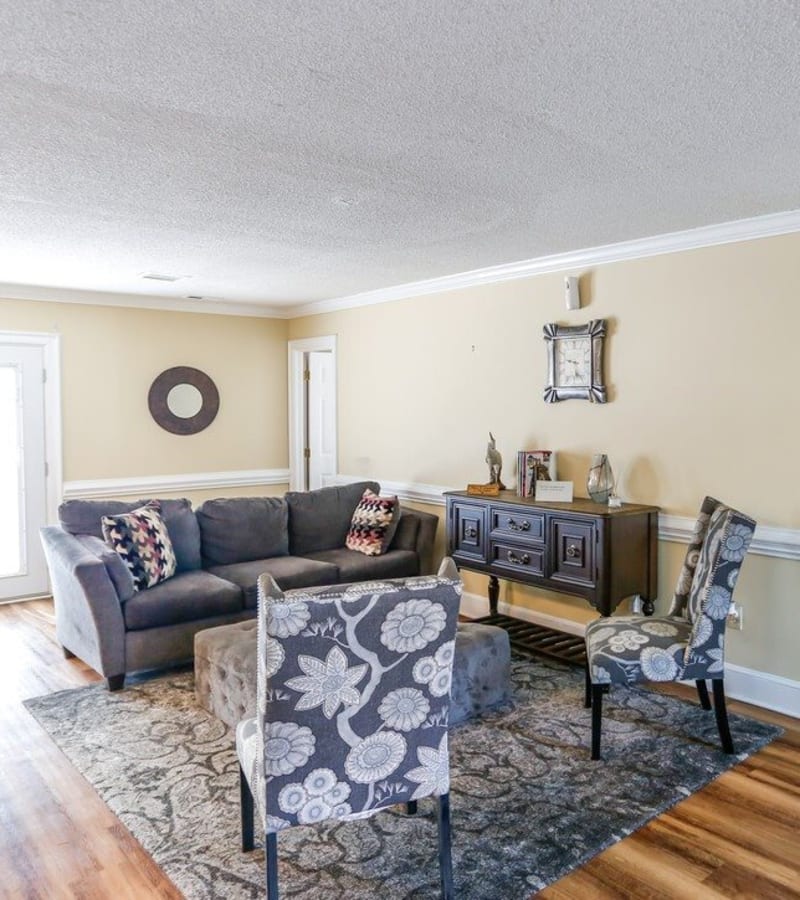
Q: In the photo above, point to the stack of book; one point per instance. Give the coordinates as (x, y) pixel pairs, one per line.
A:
(533, 466)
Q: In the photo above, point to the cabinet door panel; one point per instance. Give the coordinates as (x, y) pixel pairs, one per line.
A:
(573, 550)
(469, 531)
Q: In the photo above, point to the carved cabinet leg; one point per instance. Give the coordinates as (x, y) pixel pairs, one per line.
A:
(494, 593)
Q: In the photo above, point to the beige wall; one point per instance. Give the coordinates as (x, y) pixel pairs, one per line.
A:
(699, 364)
(110, 356)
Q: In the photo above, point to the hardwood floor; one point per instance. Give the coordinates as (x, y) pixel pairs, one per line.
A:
(57, 837)
(737, 838)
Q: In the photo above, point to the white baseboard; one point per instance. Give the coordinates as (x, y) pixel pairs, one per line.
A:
(152, 484)
(473, 606)
(762, 689)
(748, 685)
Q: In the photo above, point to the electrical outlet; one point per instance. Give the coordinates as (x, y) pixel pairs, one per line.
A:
(735, 614)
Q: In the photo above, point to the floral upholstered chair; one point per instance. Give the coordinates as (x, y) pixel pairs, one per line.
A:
(353, 702)
(687, 643)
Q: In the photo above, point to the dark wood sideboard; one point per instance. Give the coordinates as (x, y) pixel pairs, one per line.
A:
(581, 548)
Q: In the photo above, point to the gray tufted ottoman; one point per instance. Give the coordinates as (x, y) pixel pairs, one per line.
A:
(225, 670)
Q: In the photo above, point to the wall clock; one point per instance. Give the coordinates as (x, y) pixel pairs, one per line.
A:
(575, 362)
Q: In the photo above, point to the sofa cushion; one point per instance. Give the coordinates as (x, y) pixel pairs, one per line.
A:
(185, 598)
(320, 520)
(240, 529)
(141, 539)
(373, 524)
(288, 571)
(84, 517)
(407, 531)
(184, 532)
(118, 572)
(355, 566)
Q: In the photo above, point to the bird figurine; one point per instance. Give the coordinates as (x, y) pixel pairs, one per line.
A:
(495, 462)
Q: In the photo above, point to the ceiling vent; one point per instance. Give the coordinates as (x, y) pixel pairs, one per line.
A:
(154, 276)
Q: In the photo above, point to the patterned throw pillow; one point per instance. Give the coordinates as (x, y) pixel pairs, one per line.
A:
(142, 540)
(373, 524)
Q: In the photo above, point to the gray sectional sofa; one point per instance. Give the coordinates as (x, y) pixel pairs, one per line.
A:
(221, 549)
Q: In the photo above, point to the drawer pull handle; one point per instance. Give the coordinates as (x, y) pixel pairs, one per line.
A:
(470, 531)
(525, 525)
(519, 560)
(573, 551)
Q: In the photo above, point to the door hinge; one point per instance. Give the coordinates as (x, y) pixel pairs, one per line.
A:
(46, 469)
(44, 375)
(306, 374)
(307, 453)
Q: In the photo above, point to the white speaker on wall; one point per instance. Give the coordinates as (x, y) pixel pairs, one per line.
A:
(572, 292)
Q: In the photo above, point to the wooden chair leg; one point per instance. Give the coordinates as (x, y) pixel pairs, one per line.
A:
(411, 807)
(597, 715)
(702, 693)
(271, 864)
(587, 697)
(721, 714)
(247, 810)
(445, 859)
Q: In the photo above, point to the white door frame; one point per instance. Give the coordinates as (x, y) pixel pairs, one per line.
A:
(297, 403)
(51, 352)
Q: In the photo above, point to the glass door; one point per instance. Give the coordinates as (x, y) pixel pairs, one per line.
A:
(23, 510)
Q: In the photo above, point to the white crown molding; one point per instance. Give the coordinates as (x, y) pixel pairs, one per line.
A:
(139, 301)
(782, 543)
(770, 225)
(748, 685)
(151, 484)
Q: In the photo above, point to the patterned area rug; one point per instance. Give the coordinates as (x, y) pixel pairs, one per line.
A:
(528, 805)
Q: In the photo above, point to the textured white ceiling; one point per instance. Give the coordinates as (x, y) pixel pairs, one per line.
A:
(285, 152)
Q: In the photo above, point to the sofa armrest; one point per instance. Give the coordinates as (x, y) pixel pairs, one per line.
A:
(416, 530)
(89, 620)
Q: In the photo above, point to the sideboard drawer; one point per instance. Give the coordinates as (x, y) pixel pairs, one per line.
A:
(516, 524)
(516, 558)
(573, 546)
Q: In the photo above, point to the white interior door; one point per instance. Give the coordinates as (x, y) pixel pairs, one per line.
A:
(321, 411)
(23, 495)
(319, 352)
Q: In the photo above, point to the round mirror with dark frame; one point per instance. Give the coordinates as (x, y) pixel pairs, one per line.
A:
(183, 400)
